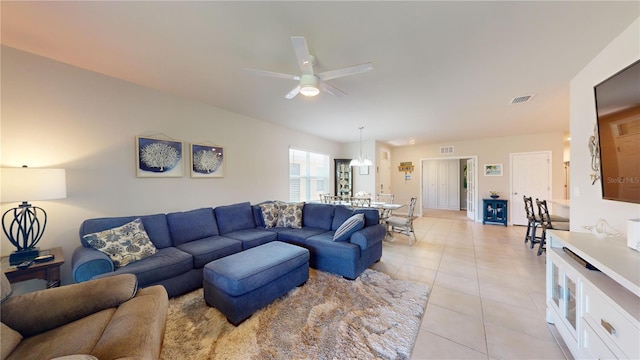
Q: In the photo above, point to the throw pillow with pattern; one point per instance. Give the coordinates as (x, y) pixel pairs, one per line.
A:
(290, 215)
(348, 227)
(270, 214)
(124, 244)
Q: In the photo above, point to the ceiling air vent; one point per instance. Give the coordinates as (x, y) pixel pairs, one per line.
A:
(521, 99)
(446, 150)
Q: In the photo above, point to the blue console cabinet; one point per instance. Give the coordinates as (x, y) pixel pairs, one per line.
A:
(495, 211)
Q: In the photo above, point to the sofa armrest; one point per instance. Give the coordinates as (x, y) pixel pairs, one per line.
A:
(137, 328)
(87, 263)
(368, 236)
(43, 310)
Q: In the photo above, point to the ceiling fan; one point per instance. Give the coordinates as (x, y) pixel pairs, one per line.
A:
(311, 83)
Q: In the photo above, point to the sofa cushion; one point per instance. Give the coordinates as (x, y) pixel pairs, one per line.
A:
(155, 225)
(192, 225)
(371, 216)
(323, 246)
(234, 217)
(10, 339)
(341, 214)
(124, 244)
(297, 236)
(318, 216)
(290, 215)
(164, 264)
(252, 237)
(77, 337)
(210, 248)
(351, 225)
(270, 214)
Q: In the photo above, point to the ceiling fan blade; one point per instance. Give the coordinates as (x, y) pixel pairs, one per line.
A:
(351, 70)
(273, 74)
(302, 54)
(293, 93)
(331, 89)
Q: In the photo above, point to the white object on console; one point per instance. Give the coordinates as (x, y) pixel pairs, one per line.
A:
(633, 234)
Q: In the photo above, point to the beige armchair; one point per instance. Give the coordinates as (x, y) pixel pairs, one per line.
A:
(106, 318)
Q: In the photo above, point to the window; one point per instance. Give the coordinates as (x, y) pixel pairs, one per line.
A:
(308, 175)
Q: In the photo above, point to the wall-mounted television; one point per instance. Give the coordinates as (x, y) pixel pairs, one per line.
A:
(618, 112)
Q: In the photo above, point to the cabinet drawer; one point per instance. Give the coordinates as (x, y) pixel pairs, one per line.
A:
(610, 324)
(594, 346)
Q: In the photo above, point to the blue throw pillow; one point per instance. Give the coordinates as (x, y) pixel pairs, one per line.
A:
(351, 225)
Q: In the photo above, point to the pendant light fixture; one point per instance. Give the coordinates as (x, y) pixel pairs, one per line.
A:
(360, 159)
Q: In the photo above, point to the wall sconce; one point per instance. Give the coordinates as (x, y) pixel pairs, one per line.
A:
(25, 224)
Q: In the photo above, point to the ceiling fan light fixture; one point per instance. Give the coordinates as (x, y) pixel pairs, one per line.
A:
(309, 85)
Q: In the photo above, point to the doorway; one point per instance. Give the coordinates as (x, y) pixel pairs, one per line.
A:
(531, 177)
(448, 185)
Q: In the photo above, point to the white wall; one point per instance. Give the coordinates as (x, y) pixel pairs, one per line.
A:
(587, 205)
(55, 115)
(488, 151)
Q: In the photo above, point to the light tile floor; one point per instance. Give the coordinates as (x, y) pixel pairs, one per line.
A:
(487, 296)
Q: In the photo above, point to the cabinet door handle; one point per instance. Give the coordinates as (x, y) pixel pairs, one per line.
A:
(608, 327)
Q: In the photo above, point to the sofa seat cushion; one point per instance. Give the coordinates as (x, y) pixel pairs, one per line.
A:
(252, 237)
(78, 337)
(192, 225)
(322, 245)
(164, 264)
(297, 235)
(243, 272)
(210, 248)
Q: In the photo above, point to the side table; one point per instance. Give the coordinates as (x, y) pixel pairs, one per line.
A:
(48, 271)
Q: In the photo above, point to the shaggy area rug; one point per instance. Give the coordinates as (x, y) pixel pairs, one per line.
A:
(328, 317)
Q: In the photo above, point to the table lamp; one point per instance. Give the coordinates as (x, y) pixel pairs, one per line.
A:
(25, 224)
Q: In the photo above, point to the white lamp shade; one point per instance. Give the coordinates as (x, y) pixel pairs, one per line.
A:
(29, 184)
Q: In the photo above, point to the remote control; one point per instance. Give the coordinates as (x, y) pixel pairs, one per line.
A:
(24, 264)
(43, 258)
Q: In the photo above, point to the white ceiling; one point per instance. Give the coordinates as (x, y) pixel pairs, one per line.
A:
(443, 71)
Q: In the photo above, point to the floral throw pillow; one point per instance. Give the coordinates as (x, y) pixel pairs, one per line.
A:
(124, 244)
(270, 214)
(290, 215)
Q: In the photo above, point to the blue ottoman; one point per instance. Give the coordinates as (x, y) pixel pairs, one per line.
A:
(242, 283)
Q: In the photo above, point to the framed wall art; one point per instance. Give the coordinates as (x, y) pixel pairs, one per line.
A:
(364, 170)
(158, 157)
(207, 161)
(492, 169)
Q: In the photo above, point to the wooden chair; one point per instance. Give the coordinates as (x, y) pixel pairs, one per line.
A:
(404, 224)
(385, 198)
(545, 223)
(332, 199)
(360, 202)
(533, 222)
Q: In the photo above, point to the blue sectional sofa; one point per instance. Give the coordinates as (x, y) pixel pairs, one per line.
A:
(187, 241)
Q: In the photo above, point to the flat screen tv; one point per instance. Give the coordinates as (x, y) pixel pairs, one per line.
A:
(618, 112)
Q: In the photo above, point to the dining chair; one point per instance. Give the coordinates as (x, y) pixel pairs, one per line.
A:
(385, 198)
(360, 202)
(546, 223)
(533, 221)
(332, 199)
(404, 224)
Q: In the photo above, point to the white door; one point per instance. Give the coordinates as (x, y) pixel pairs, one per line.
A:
(441, 189)
(530, 177)
(470, 188)
(384, 173)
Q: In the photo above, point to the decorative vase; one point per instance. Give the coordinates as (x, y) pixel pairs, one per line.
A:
(494, 196)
